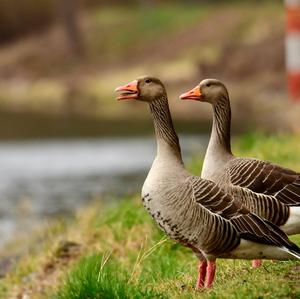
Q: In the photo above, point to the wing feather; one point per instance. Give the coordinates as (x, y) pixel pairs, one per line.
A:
(266, 178)
(247, 224)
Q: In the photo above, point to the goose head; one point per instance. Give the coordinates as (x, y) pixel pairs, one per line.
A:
(146, 89)
(208, 90)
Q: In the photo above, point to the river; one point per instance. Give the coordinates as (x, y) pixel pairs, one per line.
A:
(41, 180)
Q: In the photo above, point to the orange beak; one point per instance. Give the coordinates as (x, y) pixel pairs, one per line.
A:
(193, 94)
(128, 91)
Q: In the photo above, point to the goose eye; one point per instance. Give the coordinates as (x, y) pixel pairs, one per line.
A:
(208, 84)
(147, 81)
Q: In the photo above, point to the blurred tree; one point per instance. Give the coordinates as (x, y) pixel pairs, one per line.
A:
(69, 16)
(19, 17)
(147, 3)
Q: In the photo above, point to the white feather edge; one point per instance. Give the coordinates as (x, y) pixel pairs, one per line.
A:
(251, 250)
(296, 255)
(292, 226)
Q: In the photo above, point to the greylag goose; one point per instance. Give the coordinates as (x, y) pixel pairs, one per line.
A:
(193, 211)
(266, 189)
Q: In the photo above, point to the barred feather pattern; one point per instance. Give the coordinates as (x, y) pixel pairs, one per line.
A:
(260, 204)
(222, 122)
(266, 178)
(189, 223)
(247, 225)
(198, 214)
(163, 124)
(290, 194)
(196, 225)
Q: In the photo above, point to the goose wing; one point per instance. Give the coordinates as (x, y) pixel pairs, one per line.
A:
(263, 205)
(266, 178)
(248, 225)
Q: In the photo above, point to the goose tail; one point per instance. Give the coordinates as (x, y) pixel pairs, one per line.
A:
(292, 251)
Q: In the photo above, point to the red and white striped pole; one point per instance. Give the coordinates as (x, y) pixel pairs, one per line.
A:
(292, 45)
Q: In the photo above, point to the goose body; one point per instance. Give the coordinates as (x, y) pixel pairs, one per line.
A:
(196, 212)
(266, 189)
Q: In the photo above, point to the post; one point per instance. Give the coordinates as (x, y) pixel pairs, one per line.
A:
(69, 16)
(292, 44)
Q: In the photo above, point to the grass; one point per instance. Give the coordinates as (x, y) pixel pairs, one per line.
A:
(98, 276)
(281, 148)
(122, 254)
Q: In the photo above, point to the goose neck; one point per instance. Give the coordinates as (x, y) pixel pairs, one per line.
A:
(220, 134)
(168, 146)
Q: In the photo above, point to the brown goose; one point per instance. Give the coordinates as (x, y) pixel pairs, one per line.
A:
(193, 211)
(268, 190)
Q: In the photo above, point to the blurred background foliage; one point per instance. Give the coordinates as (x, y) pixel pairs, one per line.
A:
(61, 60)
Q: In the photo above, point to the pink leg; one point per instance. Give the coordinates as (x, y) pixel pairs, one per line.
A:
(256, 263)
(201, 274)
(211, 270)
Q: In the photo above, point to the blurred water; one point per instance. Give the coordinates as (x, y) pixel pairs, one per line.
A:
(40, 180)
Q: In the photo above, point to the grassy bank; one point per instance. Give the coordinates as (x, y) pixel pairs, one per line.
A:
(116, 251)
